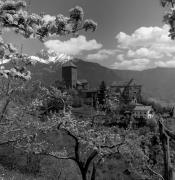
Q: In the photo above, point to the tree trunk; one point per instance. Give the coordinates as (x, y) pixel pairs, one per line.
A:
(84, 174)
(4, 109)
(93, 172)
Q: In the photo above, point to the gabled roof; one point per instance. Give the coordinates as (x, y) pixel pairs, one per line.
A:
(69, 64)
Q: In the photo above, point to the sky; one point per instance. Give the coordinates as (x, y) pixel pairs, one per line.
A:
(130, 34)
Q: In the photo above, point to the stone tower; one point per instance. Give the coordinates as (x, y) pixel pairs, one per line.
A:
(69, 74)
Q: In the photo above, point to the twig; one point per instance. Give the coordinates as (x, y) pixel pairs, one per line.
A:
(154, 172)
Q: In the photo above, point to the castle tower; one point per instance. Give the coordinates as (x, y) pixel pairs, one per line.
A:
(69, 74)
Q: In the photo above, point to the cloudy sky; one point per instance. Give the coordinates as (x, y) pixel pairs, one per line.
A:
(130, 34)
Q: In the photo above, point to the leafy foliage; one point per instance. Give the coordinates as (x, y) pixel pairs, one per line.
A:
(20, 124)
(169, 17)
(13, 15)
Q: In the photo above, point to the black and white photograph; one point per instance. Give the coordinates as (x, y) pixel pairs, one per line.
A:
(87, 90)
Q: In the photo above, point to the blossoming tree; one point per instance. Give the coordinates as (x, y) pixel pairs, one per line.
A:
(94, 144)
(169, 17)
(14, 16)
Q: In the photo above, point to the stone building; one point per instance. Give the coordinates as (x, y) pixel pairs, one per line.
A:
(127, 92)
(141, 111)
(69, 74)
(69, 77)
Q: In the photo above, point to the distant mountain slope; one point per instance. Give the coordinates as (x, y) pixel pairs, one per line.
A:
(93, 72)
(96, 73)
(157, 83)
(46, 73)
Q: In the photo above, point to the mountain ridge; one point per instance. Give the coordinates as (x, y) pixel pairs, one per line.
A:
(157, 83)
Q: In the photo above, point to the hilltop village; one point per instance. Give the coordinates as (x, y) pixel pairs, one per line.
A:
(126, 96)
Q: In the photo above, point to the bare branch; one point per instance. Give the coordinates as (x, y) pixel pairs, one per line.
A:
(76, 144)
(89, 160)
(167, 131)
(54, 156)
(113, 146)
(154, 172)
(172, 3)
(12, 141)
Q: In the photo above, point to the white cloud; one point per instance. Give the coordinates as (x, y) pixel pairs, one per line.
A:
(144, 37)
(146, 47)
(170, 63)
(144, 52)
(148, 42)
(135, 64)
(120, 57)
(73, 46)
(151, 45)
(101, 54)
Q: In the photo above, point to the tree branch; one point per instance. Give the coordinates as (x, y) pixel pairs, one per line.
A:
(76, 143)
(54, 156)
(11, 25)
(154, 172)
(113, 146)
(8, 142)
(12, 141)
(90, 158)
(172, 3)
(15, 26)
(168, 132)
